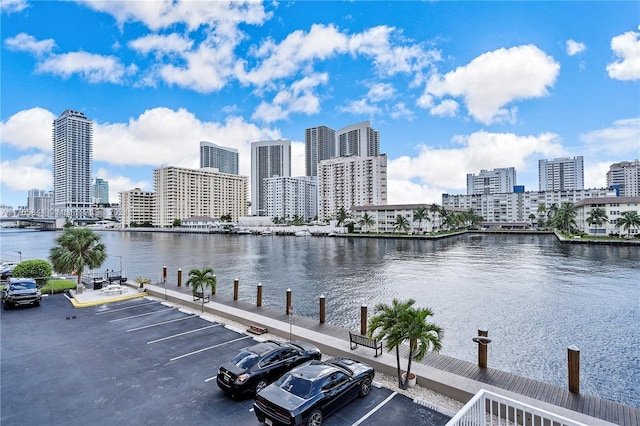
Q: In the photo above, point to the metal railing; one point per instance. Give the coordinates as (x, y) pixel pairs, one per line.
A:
(488, 408)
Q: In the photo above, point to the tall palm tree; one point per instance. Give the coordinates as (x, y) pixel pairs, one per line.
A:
(341, 216)
(597, 217)
(75, 249)
(565, 218)
(434, 209)
(629, 220)
(552, 210)
(384, 323)
(422, 335)
(401, 224)
(366, 221)
(420, 214)
(542, 213)
(200, 279)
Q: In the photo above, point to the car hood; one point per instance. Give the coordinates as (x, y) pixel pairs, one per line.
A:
(282, 398)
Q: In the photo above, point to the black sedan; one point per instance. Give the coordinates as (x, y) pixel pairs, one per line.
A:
(256, 366)
(312, 391)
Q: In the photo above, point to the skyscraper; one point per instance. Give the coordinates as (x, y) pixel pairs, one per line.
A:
(72, 163)
(624, 177)
(224, 159)
(268, 159)
(497, 181)
(320, 144)
(101, 191)
(561, 174)
(358, 140)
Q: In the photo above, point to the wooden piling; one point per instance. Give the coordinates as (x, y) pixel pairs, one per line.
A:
(482, 348)
(574, 369)
(288, 303)
(322, 309)
(363, 320)
(179, 277)
(236, 284)
(259, 295)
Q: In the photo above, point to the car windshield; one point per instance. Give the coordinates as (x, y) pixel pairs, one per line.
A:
(23, 286)
(245, 360)
(296, 385)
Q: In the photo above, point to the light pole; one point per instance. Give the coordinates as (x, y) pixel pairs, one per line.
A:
(20, 253)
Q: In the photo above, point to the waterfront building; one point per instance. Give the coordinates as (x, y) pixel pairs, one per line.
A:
(384, 218)
(624, 177)
(613, 207)
(358, 140)
(345, 182)
(226, 160)
(39, 202)
(72, 164)
(518, 206)
(268, 159)
(101, 191)
(136, 207)
(494, 181)
(319, 145)
(290, 197)
(561, 174)
(181, 193)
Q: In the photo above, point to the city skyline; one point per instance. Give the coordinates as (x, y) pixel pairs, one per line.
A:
(452, 87)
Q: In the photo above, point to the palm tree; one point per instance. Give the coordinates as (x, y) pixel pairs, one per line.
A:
(420, 214)
(434, 209)
(421, 335)
(531, 217)
(551, 213)
(542, 213)
(342, 216)
(401, 224)
(77, 248)
(366, 221)
(597, 216)
(565, 218)
(200, 279)
(383, 326)
(630, 219)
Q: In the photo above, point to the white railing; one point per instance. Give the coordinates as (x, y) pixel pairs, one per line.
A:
(488, 408)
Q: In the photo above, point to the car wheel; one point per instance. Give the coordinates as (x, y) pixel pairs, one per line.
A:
(315, 419)
(7, 305)
(261, 385)
(365, 386)
(37, 303)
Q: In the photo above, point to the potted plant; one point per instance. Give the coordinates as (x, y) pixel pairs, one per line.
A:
(141, 282)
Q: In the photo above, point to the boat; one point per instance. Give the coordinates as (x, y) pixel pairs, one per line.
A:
(303, 233)
(267, 232)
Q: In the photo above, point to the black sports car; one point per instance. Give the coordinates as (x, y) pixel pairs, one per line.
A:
(256, 366)
(312, 391)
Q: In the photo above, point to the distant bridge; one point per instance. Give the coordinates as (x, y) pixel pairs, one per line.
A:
(46, 223)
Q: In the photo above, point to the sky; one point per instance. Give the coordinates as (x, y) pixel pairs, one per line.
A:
(453, 87)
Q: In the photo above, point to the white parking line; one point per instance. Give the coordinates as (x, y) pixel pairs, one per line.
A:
(141, 315)
(210, 379)
(161, 323)
(182, 334)
(123, 309)
(377, 407)
(210, 347)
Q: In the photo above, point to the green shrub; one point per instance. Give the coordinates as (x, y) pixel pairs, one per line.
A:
(38, 269)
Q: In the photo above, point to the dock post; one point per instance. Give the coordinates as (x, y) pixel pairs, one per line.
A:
(259, 296)
(482, 348)
(236, 283)
(322, 308)
(179, 277)
(363, 319)
(288, 310)
(574, 369)
(164, 274)
(213, 288)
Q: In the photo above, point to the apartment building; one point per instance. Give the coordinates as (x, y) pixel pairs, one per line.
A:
(613, 208)
(268, 159)
(225, 159)
(182, 193)
(561, 174)
(136, 207)
(344, 182)
(384, 218)
(494, 181)
(358, 139)
(624, 177)
(101, 191)
(319, 145)
(39, 202)
(289, 197)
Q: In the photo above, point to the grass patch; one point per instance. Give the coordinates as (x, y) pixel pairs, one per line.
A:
(58, 286)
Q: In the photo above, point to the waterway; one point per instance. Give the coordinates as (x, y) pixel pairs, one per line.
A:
(535, 295)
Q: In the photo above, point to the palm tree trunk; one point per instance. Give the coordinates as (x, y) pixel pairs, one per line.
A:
(398, 363)
(405, 385)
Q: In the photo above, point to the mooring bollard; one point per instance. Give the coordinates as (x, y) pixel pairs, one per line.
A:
(288, 307)
(164, 274)
(215, 284)
(322, 310)
(574, 369)
(259, 296)
(483, 342)
(179, 277)
(363, 319)
(236, 283)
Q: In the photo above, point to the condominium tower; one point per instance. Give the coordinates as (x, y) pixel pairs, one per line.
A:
(224, 159)
(492, 181)
(101, 191)
(624, 177)
(320, 144)
(291, 197)
(358, 139)
(561, 174)
(72, 164)
(136, 208)
(268, 159)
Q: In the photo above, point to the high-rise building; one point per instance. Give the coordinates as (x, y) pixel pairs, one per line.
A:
(72, 164)
(624, 177)
(345, 182)
(136, 208)
(288, 197)
(561, 174)
(494, 181)
(268, 159)
(226, 160)
(182, 193)
(320, 144)
(358, 139)
(39, 202)
(101, 191)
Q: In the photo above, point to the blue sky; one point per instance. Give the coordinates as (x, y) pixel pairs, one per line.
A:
(453, 87)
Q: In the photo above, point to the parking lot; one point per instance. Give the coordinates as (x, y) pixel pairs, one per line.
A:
(140, 362)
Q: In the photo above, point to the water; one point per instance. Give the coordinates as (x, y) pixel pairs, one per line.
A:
(534, 295)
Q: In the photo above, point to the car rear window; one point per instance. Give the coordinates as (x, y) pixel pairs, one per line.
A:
(245, 359)
(296, 385)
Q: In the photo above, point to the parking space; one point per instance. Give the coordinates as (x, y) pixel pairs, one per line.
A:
(140, 362)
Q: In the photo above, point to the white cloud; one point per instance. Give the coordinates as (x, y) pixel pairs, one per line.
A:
(362, 107)
(575, 47)
(13, 6)
(627, 48)
(400, 110)
(495, 79)
(620, 139)
(91, 67)
(380, 92)
(161, 44)
(27, 43)
(446, 108)
(27, 129)
(28, 172)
